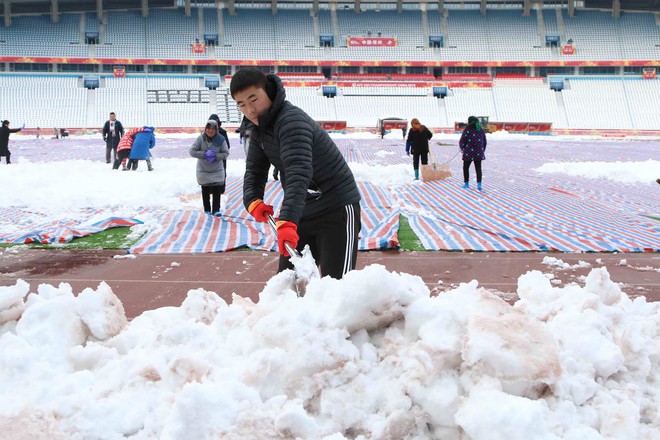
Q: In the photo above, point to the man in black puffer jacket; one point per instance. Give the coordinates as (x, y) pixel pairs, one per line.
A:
(321, 205)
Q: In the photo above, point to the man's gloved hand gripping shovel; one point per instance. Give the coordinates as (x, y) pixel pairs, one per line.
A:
(304, 265)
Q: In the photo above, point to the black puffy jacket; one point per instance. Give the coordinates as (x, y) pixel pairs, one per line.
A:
(419, 140)
(313, 173)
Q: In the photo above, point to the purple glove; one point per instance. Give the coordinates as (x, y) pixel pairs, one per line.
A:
(211, 156)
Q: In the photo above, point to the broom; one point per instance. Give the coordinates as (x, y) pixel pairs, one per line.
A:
(436, 171)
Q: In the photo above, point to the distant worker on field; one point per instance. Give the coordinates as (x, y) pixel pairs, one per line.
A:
(210, 149)
(112, 133)
(418, 144)
(124, 149)
(5, 131)
(473, 145)
(143, 142)
(222, 132)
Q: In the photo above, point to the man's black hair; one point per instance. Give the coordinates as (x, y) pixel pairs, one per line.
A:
(5, 122)
(247, 77)
(251, 76)
(113, 113)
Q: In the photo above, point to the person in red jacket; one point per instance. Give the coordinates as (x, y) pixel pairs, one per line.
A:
(124, 148)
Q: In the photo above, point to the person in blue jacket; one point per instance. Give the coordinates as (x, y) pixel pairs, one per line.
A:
(142, 144)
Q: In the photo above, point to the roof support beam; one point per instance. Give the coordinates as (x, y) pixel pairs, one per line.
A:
(616, 8)
(54, 11)
(7, 4)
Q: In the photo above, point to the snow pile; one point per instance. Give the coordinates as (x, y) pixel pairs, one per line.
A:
(552, 261)
(370, 356)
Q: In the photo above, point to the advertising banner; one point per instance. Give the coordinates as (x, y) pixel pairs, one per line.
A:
(333, 125)
(370, 41)
(119, 71)
(393, 125)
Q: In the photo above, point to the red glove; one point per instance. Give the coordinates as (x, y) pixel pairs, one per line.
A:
(287, 232)
(259, 210)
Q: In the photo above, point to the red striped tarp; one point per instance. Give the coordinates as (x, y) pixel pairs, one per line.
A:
(24, 226)
(193, 231)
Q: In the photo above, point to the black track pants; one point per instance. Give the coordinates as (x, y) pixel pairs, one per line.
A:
(466, 170)
(333, 239)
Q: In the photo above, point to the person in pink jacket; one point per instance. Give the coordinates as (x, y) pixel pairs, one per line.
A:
(124, 148)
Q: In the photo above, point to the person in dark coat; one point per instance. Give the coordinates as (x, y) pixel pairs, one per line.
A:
(112, 133)
(473, 145)
(5, 131)
(221, 131)
(321, 204)
(210, 149)
(418, 144)
(144, 141)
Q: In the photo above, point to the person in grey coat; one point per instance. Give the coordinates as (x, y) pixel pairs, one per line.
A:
(210, 150)
(321, 203)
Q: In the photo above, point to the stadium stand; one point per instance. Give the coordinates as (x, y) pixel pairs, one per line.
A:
(498, 50)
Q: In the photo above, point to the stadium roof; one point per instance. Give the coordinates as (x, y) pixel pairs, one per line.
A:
(54, 7)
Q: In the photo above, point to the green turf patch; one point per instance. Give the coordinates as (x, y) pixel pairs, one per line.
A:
(113, 238)
(408, 240)
(117, 238)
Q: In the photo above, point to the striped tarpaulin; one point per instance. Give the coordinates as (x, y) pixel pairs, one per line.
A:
(520, 208)
(26, 226)
(193, 231)
(523, 210)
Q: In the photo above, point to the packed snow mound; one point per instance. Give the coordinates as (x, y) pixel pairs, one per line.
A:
(371, 356)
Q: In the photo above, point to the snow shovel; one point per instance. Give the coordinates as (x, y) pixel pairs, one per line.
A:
(436, 171)
(304, 266)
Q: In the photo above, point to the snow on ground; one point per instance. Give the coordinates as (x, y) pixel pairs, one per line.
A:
(372, 356)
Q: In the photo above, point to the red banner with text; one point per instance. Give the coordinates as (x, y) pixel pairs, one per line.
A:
(649, 74)
(333, 125)
(370, 41)
(119, 71)
(393, 125)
